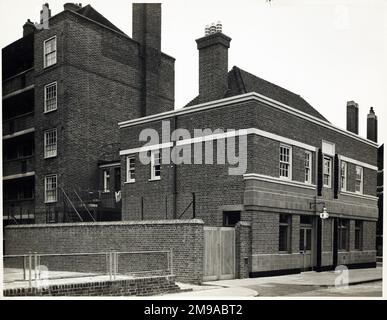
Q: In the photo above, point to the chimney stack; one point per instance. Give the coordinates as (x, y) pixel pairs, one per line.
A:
(372, 126)
(157, 69)
(28, 28)
(213, 63)
(353, 117)
(72, 6)
(146, 24)
(45, 13)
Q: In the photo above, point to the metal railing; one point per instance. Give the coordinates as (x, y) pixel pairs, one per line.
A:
(34, 269)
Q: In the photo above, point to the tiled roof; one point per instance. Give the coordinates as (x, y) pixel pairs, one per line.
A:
(89, 12)
(240, 82)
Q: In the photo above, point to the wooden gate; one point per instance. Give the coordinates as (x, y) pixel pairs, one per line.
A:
(219, 253)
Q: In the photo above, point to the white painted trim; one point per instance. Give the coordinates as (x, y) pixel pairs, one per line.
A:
(346, 175)
(361, 180)
(115, 164)
(285, 140)
(310, 164)
(45, 143)
(129, 179)
(19, 175)
(290, 170)
(147, 148)
(18, 133)
(44, 51)
(14, 93)
(224, 135)
(359, 195)
(359, 163)
(328, 157)
(45, 188)
(261, 177)
(251, 96)
(45, 97)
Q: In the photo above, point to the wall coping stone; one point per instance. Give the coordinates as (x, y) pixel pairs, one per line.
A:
(109, 223)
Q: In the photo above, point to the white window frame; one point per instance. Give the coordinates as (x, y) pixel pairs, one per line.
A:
(53, 153)
(46, 198)
(343, 177)
(45, 53)
(153, 165)
(289, 163)
(361, 179)
(329, 185)
(45, 96)
(106, 179)
(130, 167)
(308, 166)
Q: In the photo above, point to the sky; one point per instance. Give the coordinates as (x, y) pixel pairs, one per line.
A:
(327, 51)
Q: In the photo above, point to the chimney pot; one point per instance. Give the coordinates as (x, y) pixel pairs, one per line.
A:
(72, 6)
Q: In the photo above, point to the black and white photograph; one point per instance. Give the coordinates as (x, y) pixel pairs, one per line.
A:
(193, 150)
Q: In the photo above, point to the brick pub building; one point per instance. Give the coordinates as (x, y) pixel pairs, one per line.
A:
(65, 88)
(264, 221)
(298, 163)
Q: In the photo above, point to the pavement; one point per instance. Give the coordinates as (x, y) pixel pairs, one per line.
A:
(361, 282)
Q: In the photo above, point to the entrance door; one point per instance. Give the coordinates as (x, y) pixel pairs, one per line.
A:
(306, 247)
(219, 253)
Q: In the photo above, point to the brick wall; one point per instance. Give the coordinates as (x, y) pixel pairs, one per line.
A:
(132, 287)
(184, 237)
(212, 184)
(243, 249)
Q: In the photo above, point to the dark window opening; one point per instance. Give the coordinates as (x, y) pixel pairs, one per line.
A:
(358, 234)
(284, 233)
(343, 231)
(231, 218)
(117, 179)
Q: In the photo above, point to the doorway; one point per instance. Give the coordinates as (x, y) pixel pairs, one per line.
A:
(306, 243)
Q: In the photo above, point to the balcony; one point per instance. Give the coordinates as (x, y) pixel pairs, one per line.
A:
(18, 83)
(18, 211)
(18, 125)
(21, 166)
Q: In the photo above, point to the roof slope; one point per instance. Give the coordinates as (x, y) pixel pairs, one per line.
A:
(240, 82)
(89, 12)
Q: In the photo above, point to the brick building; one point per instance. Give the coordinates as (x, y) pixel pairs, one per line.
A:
(65, 88)
(298, 166)
(380, 189)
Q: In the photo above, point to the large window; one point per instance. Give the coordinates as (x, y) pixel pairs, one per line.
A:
(343, 176)
(50, 97)
(359, 180)
(50, 143)
(130, 169)
(50, 188)
(308, 167)
(358, 235)
(106, 180)
(155, 165)
(284, 233)
(50, 52)
(343, 226)
(285, 168)
(327, 172)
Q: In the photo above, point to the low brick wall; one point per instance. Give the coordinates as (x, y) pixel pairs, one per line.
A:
(183, 237)
(131, 287)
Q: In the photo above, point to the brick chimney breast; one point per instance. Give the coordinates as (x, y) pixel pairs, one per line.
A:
(28, 28)
(372, 126)
(72, 6)
(213, 66)
(353, 117)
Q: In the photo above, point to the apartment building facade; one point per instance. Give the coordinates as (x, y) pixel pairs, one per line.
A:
(298, 165)
(66, 84)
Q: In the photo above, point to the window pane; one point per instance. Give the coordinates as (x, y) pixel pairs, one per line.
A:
(283, 238)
